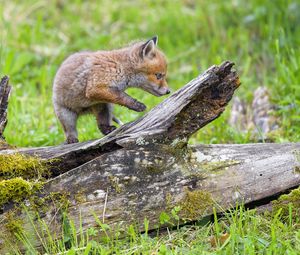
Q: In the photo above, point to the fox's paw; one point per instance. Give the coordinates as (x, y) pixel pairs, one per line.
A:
(138, 106)
(71, 139)
(107, 129)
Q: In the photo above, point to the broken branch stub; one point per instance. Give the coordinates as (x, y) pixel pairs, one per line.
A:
(4, 95)
(190, 108)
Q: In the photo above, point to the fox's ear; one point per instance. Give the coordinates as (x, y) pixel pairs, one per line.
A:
(148, 47)
(155, 39)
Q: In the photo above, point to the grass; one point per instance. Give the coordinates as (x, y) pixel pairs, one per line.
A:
(261, 37)
(239, 231)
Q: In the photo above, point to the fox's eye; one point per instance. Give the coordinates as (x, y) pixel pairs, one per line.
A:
(159, 76)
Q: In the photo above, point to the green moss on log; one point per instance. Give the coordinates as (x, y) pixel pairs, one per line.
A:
(40, 204)
(217, 166)
(14, 224)
(19, 165)
(4, 145)
(287, 201)
(297, 169)
(114, 182)
(16, 189)
(195, 204)
(297, 155)
(20, 176)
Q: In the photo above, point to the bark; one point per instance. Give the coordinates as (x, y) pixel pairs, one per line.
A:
(142, 183)
(4, 95)
(145, 167)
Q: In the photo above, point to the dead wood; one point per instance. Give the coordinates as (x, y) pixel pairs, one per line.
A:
(146, 167)
(4, 95)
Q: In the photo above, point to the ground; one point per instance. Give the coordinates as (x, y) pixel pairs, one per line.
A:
(261, 37)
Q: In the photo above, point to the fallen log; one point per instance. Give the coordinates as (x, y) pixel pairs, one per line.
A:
(146, 167)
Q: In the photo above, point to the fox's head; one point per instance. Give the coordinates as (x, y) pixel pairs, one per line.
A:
(152, 68)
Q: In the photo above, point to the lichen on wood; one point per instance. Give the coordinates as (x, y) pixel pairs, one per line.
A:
(297, 155)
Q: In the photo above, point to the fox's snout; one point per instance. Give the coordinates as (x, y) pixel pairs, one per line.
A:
(155, 87)
(158, 91)
(165, 90)
(163, 87)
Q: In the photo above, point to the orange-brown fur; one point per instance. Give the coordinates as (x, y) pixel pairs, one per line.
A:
(93, 81)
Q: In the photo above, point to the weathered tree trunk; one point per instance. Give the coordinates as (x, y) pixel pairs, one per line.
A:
(4, 94)
(146, 167)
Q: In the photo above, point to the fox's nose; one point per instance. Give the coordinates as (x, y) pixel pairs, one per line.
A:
(168, 91)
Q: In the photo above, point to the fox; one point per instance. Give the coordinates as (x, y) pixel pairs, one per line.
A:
(92, 82)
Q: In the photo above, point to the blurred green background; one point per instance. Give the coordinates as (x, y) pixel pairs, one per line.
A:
(261, 37)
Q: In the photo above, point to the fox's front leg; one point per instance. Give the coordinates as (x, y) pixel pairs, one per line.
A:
(104, 116)
(115, 96)
(130, 102)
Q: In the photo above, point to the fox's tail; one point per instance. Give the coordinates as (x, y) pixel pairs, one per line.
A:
(115, 119)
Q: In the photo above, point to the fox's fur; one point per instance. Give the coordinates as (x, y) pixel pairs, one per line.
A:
(90, 82)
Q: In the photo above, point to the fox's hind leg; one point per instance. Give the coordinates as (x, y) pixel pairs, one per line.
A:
(104, 116)
(68, 120)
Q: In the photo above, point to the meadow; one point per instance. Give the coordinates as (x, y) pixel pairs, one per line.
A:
(261, 37)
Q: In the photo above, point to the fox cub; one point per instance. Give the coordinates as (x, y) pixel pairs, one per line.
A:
(90, 82)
